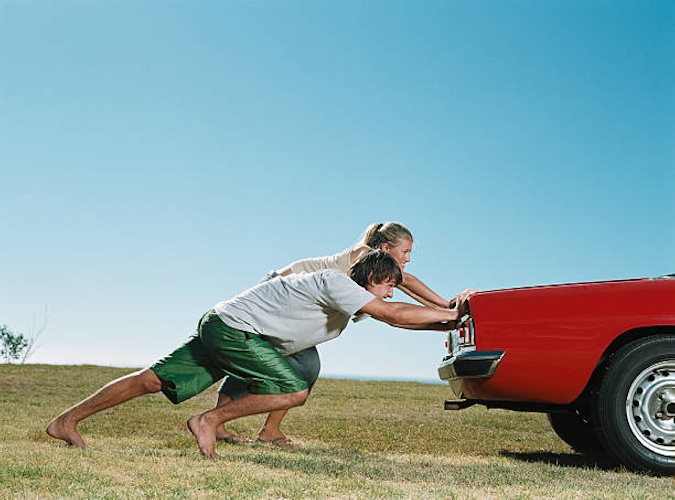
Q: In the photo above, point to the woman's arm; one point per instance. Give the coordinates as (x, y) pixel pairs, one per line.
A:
(411, 286)
(285, 271)
(416, 289)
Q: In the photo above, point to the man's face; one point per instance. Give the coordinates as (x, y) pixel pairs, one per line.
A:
(384, 290)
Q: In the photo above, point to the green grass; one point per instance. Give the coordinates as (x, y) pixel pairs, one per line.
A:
(354, 440)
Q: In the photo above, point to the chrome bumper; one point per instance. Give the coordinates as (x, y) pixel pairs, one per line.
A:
(472, 364)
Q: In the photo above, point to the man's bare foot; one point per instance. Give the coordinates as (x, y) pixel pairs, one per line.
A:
(59, 428)
(206, 436)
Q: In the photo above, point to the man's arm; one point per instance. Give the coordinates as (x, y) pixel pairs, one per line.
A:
(410, 316)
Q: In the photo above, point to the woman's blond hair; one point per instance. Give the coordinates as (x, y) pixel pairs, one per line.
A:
(390, 233)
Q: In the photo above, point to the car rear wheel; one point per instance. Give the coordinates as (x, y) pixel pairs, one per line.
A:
(635, 407)
(576, 430)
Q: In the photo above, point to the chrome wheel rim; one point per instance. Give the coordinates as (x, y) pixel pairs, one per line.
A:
(650, 408)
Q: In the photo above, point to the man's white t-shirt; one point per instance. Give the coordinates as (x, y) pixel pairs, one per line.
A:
(297, 311)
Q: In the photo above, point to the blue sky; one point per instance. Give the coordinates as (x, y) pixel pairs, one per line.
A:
(157, 157)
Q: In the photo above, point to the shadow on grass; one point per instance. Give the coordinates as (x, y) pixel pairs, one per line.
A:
(594, 461)
(352, 463)
(336, 463)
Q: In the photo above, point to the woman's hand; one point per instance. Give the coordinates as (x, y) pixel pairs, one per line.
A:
(462, 302)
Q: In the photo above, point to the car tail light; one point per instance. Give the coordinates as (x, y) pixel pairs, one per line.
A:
(465, 332)
(462, 339)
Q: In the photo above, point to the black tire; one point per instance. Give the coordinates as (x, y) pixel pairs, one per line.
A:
(635, 405)
(576, 430)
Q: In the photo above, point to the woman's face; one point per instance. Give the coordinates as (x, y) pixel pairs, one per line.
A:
(400, 251)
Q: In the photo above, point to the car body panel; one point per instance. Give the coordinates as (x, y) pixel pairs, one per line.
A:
(554, 336)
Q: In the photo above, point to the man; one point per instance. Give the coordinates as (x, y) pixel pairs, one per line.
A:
(246, 336)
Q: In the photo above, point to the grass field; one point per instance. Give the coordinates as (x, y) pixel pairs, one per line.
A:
(353, 440)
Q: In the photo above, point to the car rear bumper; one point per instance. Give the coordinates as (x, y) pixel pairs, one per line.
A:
(474, 364)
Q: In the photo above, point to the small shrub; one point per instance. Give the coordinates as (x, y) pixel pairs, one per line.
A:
(15, 346)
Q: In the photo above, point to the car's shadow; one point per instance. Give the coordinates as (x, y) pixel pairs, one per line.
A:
(598, 461)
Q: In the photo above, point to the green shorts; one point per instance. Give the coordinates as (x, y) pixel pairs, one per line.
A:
(216, 350)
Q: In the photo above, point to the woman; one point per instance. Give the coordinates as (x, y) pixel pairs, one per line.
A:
(393, 238)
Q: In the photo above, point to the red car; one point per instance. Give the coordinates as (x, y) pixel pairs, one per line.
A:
(598, 358)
